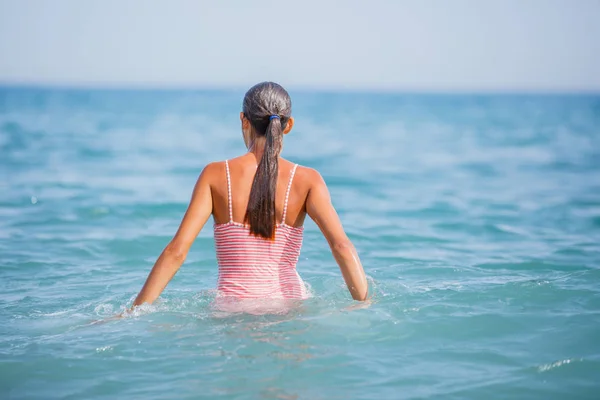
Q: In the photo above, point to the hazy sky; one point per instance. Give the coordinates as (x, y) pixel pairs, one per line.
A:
(417, 45)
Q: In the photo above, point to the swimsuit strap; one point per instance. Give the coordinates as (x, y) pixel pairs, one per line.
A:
(287, 193)
(229, 192)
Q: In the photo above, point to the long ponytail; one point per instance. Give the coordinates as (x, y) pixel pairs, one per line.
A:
(268, 107)
(260, 213)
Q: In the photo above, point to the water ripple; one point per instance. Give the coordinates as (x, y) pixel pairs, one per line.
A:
(476, 217)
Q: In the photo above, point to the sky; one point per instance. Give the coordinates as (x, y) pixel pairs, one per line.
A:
(428, 45)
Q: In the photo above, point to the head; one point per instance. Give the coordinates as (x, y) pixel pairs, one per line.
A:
(266, 117)
(262, 102)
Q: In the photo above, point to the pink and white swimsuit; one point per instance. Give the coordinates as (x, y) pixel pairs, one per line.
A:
(255, 267)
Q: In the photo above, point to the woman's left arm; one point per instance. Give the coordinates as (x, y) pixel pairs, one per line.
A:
(198, 212)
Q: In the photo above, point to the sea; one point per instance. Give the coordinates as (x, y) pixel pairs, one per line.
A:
(476, 217)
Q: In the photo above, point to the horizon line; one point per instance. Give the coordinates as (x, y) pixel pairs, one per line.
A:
(114, 86)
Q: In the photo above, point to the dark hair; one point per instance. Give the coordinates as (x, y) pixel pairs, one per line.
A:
(263, 101)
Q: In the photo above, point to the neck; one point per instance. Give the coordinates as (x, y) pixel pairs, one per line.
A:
(257, 147)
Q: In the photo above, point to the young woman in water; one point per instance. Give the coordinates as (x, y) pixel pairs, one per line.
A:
(259, 202)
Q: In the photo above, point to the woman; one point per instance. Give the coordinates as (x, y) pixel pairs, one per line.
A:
(259, 202)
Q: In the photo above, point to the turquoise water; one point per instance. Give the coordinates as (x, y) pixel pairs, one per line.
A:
(477, 219)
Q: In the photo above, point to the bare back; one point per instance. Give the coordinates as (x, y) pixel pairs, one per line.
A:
(242, 170)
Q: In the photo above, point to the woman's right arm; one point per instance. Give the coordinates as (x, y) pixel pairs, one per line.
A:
(170, 260)
(320, 209)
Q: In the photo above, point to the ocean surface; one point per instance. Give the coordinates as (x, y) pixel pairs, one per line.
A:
(477, 219)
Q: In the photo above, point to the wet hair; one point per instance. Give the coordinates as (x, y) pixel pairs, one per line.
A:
(268, 107)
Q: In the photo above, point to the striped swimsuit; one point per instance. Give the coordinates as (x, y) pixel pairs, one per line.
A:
(255, 267)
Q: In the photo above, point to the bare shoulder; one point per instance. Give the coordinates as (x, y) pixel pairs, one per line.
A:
(211, 172)
(214, 167)
(309, 177)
